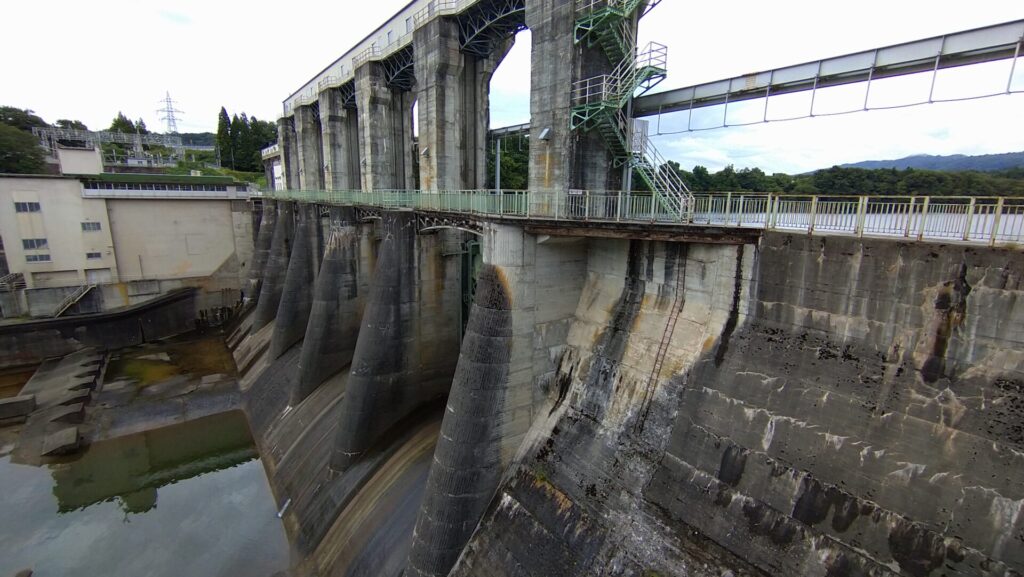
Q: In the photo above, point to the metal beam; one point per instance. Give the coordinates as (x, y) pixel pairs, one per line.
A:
(988, 44)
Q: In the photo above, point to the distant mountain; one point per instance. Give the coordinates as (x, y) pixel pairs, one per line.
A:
(981, 162)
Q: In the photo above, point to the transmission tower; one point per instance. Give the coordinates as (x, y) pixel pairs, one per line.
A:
(169, 112)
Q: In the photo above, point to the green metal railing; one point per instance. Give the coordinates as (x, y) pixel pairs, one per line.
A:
(988, 220)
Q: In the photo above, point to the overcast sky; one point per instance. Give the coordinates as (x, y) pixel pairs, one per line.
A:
(89, 60)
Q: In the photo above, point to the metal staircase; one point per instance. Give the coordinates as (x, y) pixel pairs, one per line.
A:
(12, 282)
(72, 298)
(600, 103)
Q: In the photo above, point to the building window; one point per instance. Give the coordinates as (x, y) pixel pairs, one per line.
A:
(37, 258)
(26, 207)
(33, 243)
(93, 255)
(90, 226)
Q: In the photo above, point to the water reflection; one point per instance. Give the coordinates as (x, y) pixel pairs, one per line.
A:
(190, 499)
(131, 469)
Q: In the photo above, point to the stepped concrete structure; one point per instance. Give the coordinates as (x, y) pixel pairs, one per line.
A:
(562, 381)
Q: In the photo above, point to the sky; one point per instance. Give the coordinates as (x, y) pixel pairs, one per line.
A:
(90, 60)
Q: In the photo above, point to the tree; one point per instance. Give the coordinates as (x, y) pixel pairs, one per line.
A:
(122, 124)
(19, 151)
(224, 135)
(71, 124)
(21, 119)
(140, 126)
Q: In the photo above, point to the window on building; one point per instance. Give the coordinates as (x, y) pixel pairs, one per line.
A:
(33, 243)
(26, 207)
(93, 255)
(90, 226)
(408, 25)
(37, 258)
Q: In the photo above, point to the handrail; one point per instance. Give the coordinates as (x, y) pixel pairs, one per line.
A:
(983, 220)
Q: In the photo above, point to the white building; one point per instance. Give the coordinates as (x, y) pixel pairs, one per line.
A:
(133, 236)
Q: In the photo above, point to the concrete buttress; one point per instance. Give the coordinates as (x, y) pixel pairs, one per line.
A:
(561, 158)
(261, 252)
(467, 464)
(308, 134)
(297, 292)
(337, 307)
(277, 266)
(340, 142)
(385, 131)
(454, 109)
(289, 152)
(408, 342)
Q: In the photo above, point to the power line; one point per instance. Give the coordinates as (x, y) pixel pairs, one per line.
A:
(169, 112)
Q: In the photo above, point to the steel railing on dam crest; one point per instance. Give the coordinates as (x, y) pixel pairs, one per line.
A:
(984, 220)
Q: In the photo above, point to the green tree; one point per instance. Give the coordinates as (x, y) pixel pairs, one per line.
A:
(22, 119)
(224, 136)
(122, 123)
(19, 151)
(71, 124)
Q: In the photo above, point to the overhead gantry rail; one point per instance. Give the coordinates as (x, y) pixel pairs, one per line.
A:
(988, 44)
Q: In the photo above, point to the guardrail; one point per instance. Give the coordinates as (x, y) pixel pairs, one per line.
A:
(987, 220)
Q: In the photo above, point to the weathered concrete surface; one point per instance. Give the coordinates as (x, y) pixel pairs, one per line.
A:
(19, 406)
(277, 267)
(338, 301)
(564, 158)
(308, 134)
(340, 141)
(822, 407)
(452, 92)
(385, 131)
(409, 339)
(467, 464)
(287, 140)
(261, 250)
(297, 292)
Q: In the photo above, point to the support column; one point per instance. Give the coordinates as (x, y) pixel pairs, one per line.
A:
(297, 290)
(337, 307)
(277, 266)
(261, 252)
(408, 341)
(563, 159)
(385, 131)
(289, 152)
(340, 142)
(308, 134)
(454, 107)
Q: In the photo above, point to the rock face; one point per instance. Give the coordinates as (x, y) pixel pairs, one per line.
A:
(806, 406)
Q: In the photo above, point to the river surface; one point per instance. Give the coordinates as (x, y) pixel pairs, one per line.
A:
(185, 500)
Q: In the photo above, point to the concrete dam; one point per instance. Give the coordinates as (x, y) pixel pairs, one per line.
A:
(446, 380)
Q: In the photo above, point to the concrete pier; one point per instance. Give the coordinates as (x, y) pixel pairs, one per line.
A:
(340, 140)
(261, 250)
(277, 267)
(297, 290)
(308, 135)
(385, 131)
(408, 341)
(452, 91)
(338, 301)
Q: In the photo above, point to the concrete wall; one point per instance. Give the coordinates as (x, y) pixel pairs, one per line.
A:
(79, 161)
(173, 238)
(821, 407)
(34, 341)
